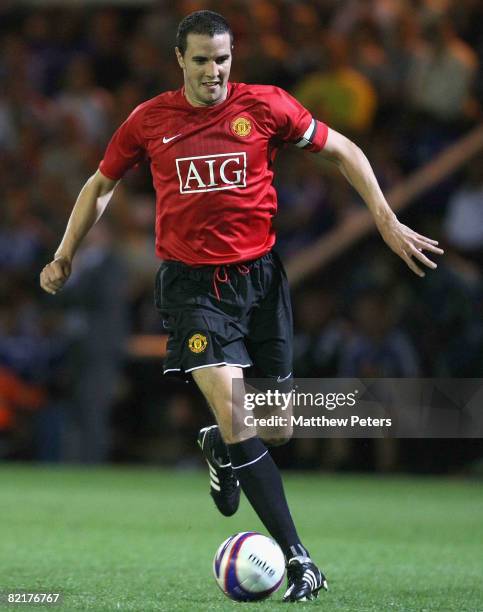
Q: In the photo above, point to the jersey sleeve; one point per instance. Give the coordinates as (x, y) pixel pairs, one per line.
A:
(125, 148)
(293, 123)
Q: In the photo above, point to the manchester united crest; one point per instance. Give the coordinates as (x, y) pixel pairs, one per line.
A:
(241, 126)
(197, 343)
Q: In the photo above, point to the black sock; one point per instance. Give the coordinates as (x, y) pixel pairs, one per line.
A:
(261, 482)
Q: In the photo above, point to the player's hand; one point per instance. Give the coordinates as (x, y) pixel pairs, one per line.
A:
(55, 274)
(409, 245)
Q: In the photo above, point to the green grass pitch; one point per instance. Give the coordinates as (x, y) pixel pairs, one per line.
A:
(143, 539)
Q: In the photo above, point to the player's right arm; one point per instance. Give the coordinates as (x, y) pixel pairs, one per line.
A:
(90, 205)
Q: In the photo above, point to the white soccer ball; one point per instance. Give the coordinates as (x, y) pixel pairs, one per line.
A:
(248, 566)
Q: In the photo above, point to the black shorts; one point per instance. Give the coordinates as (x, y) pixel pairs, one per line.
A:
(237, 314)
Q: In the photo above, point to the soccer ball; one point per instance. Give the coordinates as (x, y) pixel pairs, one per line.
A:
(248, 566)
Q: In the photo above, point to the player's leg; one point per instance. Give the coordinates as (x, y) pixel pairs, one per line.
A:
(270, 347)
(258, 475)
(202, 334)
(224, 485)
(270, 343)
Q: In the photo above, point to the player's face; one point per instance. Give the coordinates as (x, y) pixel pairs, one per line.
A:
(206, 68)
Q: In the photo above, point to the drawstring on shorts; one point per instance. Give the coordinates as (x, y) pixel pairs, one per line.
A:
(220, 275)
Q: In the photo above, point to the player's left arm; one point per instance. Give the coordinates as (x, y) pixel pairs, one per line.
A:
(356, 168)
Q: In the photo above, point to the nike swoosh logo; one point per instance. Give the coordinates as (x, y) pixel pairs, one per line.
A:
(280, 379)
(166, 140)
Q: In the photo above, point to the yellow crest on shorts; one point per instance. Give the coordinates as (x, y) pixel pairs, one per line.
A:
(197, 343)
(241, 126)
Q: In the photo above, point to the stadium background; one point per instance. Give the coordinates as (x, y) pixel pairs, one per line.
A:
(80, 374)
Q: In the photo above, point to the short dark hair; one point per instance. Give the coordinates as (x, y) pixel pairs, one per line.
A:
(201, 22)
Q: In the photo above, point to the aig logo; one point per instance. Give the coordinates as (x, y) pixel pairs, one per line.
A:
(212, 172)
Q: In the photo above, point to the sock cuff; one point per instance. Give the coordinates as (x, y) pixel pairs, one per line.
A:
(246, 452)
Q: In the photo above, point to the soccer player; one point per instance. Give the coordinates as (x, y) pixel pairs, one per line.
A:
(221, 289)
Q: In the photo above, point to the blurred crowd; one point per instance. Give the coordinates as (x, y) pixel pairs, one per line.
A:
(403, 78)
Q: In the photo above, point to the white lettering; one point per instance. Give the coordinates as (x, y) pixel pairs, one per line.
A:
(287, 397)
(211, 163)
(237, 173)
(318, 421)
(370, 422)
(193, 174)
(272, 421)
(211, 172)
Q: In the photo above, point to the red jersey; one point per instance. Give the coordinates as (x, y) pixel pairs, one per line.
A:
(212, 168)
